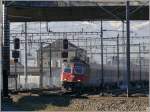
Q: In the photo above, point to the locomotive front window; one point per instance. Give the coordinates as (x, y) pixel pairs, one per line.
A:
(78, 70)
(67, 70)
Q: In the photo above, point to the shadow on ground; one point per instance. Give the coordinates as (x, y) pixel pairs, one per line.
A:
(40, 102)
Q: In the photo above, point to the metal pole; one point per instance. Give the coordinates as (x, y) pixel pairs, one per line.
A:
(1, 40)
(86, 43)
(140, 61)
(128, 46)
(25, 68)
(6, 53)
(102, 67)
(41, 65)
(118, 71)
(16, 75)
(124, 52)
(19, 74)
(19, 81)
(50, 69)
(41, 61)
(47, 27)
(106, 55)
(123, 37)
(91, 50)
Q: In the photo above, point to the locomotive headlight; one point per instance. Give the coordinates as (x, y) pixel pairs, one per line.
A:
(79, 80)
(65, 79)
(72, 76)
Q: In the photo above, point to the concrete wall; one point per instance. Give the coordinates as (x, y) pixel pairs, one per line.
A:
(33, 81)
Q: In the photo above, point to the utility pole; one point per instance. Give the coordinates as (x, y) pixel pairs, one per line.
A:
(91, 49)
(41, 60)
(86, 43)
(102, 67)
(1, 39)
(25, 68)
(123, 37)
(16, 75)
(19, 82)
(124, 52)
(128, 45)
(106, 55)
(118, 71)
(47, 28)
(41, 64)
(140, 61)
(6, 53)
(50, 57)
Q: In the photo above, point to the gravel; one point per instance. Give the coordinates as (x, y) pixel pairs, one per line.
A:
(110, 104)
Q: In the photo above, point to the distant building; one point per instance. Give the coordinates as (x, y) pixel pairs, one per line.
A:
(56, 50)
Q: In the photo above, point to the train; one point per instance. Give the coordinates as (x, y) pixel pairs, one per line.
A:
(78, 74)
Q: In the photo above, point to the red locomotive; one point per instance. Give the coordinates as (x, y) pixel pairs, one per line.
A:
(79, 75)
(74, 74)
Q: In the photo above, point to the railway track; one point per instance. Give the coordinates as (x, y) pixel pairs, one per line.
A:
(36, 90)
(116, 92)
(58, 91)
(132, 92)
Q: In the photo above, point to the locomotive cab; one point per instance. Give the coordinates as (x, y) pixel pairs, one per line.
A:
(74, 75)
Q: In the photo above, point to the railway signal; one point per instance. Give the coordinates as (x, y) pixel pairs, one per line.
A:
(65, 54)
(15, 54)
(65, 44)
(15, 60)
(16, 43)
(65, 48)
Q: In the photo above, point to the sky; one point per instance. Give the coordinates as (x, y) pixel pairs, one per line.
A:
(139, 28)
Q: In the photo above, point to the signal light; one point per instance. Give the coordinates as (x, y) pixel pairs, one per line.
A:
(64, 60)
(65, 48)
(64, 54)
(65, 44)
(15, 60)
(79, 80)
(16, 43)
(15, 54)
